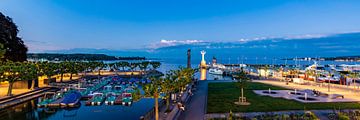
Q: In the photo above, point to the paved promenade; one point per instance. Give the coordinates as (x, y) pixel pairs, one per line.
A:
(196, 108)
(349, 92)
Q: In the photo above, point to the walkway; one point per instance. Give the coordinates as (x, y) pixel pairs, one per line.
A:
(196, 109)
(348, 92)
(16, 99)
(321, 114)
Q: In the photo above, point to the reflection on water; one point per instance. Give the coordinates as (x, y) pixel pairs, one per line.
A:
(29, 111)
(24, 111)
(202, 73)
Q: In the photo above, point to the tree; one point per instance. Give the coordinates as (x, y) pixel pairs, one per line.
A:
(313, 73)
(242, 80)
(2, 51)
(73, 68)
(49, 69)
(184, 76)
(168, 87)
(93, 66)
(122, 64)
(152, 90)
(100, 66)
(63, 68)
(155, 65)
(14, 46)
(354, 76)
(113, 67)
(144, 65)
(12, 72)
(266, 69)
(33, 70)
(133, 66)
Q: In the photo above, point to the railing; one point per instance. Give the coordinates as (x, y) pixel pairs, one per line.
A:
(150, 115)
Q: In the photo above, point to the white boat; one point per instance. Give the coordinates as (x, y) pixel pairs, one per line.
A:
(329, 79)
(350, 67)
(215, 71)
(219, 66)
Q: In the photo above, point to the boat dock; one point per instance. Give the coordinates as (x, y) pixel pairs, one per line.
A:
(20, 98)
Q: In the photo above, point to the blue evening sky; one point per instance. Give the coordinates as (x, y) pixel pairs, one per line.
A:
(136, 24)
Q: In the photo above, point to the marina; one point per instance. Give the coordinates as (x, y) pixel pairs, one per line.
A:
(183, 60)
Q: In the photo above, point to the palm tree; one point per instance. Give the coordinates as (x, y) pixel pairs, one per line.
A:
(186, 74)
(330, 75)
(168, 87)
(152, 90)
(313, 73)
(242, 80)
(266, 68)
(354, 76)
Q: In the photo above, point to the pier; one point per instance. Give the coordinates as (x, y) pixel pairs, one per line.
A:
(17, 99)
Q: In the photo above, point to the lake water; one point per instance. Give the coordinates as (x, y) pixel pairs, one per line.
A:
(29, 111)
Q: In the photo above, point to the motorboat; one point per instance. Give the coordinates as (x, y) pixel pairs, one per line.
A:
(71, 99)
(216, 71)
(97, 99)
(334, 79)
(110, 99)
(126, 99)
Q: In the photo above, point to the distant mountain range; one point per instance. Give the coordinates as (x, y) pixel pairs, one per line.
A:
(345, 44)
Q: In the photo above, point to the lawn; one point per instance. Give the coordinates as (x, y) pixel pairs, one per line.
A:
(221, 98)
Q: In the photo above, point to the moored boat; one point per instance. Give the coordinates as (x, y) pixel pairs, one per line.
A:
(216, 71)
(126, 99)
(71, 99)
(97, 99)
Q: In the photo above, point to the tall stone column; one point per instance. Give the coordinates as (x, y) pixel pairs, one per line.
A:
(189, 58)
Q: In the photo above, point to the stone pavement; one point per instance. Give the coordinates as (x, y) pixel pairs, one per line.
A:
(196, 108)
(348, 92)
(321, 114)
(285, 94)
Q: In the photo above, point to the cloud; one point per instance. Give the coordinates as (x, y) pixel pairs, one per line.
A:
(306, 36)
(243, 41)
(168, 43)
(277, 39)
